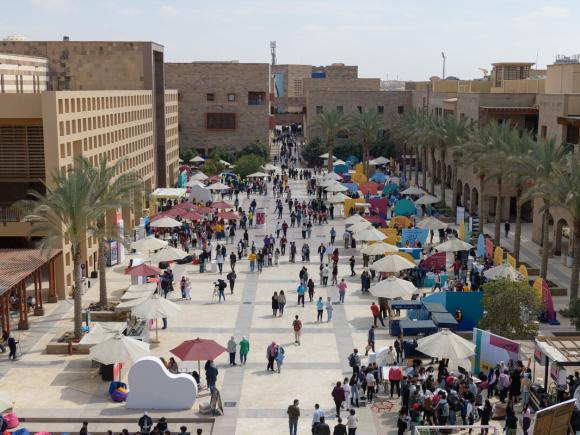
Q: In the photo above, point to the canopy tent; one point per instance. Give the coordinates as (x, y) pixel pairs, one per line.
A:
(453, 245)
(413, 190)
(148, 244)
(355, 218)
(228, 216)
(427, 199)
(119, 349)
(198, 350)
(359, 226)
(200, 194)
(130, 303)
(199, 176)
(192, 216)
(168, 253)
(142, 270)
(218, 186)
(226, 164)
(325, 156)
(184, 206)
(257, 175)
(329, 182)
(336, 188)
(269, 167)
(339, 162)
(166, 222)
(369, 188)
(155, 308)
(446, 344)
(168, 193)
(393, 288)
(392, 263)
(222, 205)
(102, 331)
(197, 159)
(332, 176)
(404, 207)
(144, 293)
(338, 198)
(370, 234)
(379, 161)
(193, 182)
(431, 223)
(390, 188)
(506, 271)
(379, 248)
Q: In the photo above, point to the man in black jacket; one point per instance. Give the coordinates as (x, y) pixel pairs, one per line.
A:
(145, 423)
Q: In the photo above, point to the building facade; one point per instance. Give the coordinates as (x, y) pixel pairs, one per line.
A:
(225, 104)
(23, 74)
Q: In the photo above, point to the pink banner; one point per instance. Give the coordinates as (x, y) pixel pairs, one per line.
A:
(488, 248)
(510, 346)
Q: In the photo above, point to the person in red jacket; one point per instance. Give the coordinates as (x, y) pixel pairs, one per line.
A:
(376, 314)
(395, 375)
(338, 397)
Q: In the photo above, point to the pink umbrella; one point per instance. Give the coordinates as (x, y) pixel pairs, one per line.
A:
(221, 205)
(142, 270)
(185, 206)
(229, 215)
(192, 216)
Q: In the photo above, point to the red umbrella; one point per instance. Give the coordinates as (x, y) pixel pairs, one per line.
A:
(192, 216)
(174, 212)
(142, 270)
(185, 206)
(229, 215)
(204, 210)
(198, 350)
(221, 205)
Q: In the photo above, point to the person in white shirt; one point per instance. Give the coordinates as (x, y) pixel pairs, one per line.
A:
(391, 356)
(346, 389)
(370, 386)
(316, 416)
(352, 422)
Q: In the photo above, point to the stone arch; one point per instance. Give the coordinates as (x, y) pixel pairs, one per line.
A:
(438, 171)
(465, 198)
(474, 200)
(448, 177)
(459, 199)
(561, 242)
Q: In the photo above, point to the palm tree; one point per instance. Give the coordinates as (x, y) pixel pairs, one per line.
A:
(538, 166)
(368, 124)
(331, 123)
(564, 189)
(64, 216)
(115, 189)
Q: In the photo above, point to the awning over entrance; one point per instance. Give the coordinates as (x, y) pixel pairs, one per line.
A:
(525, 110)
(569, 120)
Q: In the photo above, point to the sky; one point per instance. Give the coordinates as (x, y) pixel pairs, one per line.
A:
(389, 39)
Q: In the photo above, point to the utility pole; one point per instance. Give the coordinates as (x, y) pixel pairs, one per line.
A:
(273, 52)
(444, 59)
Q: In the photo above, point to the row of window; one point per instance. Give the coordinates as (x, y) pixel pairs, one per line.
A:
(82, 104)
(103, 121)
(380, 109)
(254, 98)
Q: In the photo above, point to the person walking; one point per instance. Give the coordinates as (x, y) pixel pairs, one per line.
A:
(310, 286)
(339, 428)
(506, 229)
(219, 260)
(297, 327)
(352, 263)
(271, 352)
(353, 384)
(376, 311)
(231, 277)
(342, 290)
(332, 235)
(322, 428)
(352, 422)
(300, 290)
(371, 382)
(370, 340)
(319, 309)
(293, 412)
(395, 376)
(329, 309)
(244, 350)
(275, 304)
(280, 355)
(325, 275)
(281, 302)
(338, 397)
(232, 347)
(354, 361)
(346, 388)
(317, 415)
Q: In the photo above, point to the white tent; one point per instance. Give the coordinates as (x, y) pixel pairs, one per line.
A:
(200, 194)
(197, 159)
(139, 294)
(431, 223)
(193, 182)
(131, 303)
(370, 234)
(165, 222)
(379, 248)
(148, 244)
(168, 253)
(325, 156)
(339, 162)
(337, 188)
(359, 226)
(223, 162)
(453, 245)
(379, 161)
(269, 167)
(338, 197)
(427, 199)
(332, 176)
(199, 176)
(355, 218)
(155, 308)
(413, 190)
(218, 186)
(257, 175)
(392, 263)
(102, 331)
(392, 288)
(503, 271)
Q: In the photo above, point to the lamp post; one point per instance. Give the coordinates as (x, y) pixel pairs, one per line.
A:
(444, 59)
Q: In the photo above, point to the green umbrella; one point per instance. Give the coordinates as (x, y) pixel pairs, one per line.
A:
(404, 207)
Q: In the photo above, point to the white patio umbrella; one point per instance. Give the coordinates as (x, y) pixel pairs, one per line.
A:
(193, 182)
(392, 263)
(128, 304)
(431, 223)
(223, 162)
(453, 245)
(327, 183)
(140, 288)
(359, 226)
(503, 271)
(102, 331)
(427, 199)
(446, 344)
(336, 188)
(325, 156)
(370, 234)
(138, 294)
(166, 222)
(199, 176)
(392, 288)
(338, 197)
(332, 176)
(119, 349)
(168, 253)
(218, 186)
(197, 159)
(257, 175)
(148, 244)
(339, 162)
(5, 402)
(180, 160)
(355, 218)
(379, 161)
(379, 248)
(269, 167)
(155, 308)
(413, 190)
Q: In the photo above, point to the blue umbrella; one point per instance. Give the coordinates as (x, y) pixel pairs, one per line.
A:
(404, 207)
(481, 246)
(353, 159)
(390, 188)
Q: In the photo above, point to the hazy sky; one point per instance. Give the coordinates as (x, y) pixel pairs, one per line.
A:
(386, 38)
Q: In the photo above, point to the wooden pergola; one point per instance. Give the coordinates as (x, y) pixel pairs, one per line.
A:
(18, 267)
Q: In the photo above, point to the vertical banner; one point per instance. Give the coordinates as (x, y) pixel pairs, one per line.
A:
(260, 217)
(460, 215)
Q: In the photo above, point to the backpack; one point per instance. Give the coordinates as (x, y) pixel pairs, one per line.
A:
(297, 324)
(453, 402)
(352, 359)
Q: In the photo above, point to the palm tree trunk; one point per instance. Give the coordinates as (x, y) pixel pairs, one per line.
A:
(480, 204)
(433, 171)
(102, 264)
(443, 181)
(545, 241)
(78, 292)
(416, 153)
(365, 156)
(454, 190)
(424, 167)
(330, 146)
(574, 277)
(518, 230)
(497, 222)
(404, 164)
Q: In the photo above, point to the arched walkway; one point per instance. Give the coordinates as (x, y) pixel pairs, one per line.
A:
(561, 237)
(466, 198)
(474, 200)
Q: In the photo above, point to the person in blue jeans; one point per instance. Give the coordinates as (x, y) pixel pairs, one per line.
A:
(293, 416)
(319, 309)
(301, 290)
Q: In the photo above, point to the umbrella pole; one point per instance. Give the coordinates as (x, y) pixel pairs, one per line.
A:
(156, 332)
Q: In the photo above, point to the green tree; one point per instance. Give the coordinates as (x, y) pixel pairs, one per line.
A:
(367, 125)
(255, 148)
(312, 151)
(510, 309)
(66, 214)
(187, 154)
(213, 166)
(347, 148)
(115, 189)
(223, 153)
(385, 146)
(331, 122)
(249, 164)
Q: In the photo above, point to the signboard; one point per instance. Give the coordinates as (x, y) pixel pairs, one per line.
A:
(552, 420)
(414, 235)
(112, 257)
(460, 215)
(491, 349)
(260, 217)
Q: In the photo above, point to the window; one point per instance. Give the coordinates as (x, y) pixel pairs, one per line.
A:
(319, 109)
(543, 131)
(359, 108)
(256, 98)
(380, 109)
(210, 97)
(221, 121)
(231, 98)
(339, 109)
(400, 109)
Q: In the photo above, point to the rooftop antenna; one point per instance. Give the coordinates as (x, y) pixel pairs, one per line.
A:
(444, 59)
(273, 52)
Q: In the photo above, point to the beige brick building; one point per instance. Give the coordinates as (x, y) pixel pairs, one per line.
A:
(221, 103)
(19, 74)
